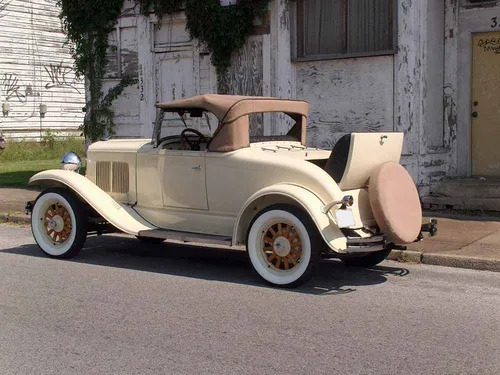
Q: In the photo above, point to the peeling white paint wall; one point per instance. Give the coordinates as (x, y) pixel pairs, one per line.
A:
(345, 96)
(37, 68)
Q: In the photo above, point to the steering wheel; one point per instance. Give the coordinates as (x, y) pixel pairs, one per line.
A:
(194, 145)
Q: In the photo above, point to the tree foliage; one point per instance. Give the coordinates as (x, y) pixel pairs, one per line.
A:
(87, 24)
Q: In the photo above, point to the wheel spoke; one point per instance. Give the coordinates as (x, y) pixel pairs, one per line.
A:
(280, 230)
(286, 231)
(295, 234)
(278, 262)
(272, 257)
(292, 259)
(285, 259)
(273, 232)
(296, 244)
(50, 232)
(297, 253)
(268, 240)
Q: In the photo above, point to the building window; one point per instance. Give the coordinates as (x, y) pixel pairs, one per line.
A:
(344, 28)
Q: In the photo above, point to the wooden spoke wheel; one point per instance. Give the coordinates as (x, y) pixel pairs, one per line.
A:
(281, 245)
(58, 223)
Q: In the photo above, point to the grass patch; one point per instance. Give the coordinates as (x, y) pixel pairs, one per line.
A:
(18, 173)
(48, 149)
(21, 160)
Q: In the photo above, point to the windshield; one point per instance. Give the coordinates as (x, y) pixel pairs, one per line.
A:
(173, 123)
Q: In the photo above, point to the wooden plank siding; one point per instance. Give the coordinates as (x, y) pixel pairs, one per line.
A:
(37, 68)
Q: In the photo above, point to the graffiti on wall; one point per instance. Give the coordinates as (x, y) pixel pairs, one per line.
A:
(3, 8)
(61, 76)
(11, 88)
(58, 75)
(14, 90)
(490, 45)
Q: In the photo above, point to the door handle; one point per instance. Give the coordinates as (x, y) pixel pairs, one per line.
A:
(197, 168)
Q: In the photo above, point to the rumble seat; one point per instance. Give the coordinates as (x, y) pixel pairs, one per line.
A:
(336, 164)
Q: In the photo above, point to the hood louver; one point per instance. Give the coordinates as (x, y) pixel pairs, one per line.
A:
(112, 177)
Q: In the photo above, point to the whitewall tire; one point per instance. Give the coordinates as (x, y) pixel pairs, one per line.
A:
(282, 244)
(59, 223)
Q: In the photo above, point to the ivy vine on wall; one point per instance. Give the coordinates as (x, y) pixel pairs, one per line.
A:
(87, 24)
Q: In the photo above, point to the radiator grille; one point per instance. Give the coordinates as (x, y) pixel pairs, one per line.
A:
(120, 178)
(103, 175)
(112, 177)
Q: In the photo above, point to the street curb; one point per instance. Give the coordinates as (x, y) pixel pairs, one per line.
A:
(406, 256)
(459, 261)
(445, 260)
(14, 218)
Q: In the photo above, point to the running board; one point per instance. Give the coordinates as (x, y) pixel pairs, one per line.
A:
(186, 236)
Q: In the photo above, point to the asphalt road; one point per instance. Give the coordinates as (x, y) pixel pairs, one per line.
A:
(122, 308)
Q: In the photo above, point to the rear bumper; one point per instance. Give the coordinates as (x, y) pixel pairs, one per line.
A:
(379, 242)
(366, 245)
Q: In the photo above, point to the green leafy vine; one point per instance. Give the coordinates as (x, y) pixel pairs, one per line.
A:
(87, 24)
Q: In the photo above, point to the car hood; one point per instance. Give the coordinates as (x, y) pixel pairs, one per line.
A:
(120, 145)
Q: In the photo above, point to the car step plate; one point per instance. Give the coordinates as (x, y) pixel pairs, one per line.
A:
(186, 236)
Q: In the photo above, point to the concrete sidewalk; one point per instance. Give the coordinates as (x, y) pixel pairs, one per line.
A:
(460, 242)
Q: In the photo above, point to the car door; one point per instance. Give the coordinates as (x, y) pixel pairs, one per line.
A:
(183, 179)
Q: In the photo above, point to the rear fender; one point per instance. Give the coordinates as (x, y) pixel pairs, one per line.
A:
(119, 215)
(292, 194)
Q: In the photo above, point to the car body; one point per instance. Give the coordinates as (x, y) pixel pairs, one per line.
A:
(287, 203)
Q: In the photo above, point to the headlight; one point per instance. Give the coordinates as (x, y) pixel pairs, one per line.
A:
(71, 162)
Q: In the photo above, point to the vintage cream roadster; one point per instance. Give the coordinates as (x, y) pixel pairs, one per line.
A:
(287, 203)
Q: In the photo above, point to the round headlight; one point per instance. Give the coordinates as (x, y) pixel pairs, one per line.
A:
(71, 162)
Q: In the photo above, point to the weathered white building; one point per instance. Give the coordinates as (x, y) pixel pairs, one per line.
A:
(363, 65)
(38, 87)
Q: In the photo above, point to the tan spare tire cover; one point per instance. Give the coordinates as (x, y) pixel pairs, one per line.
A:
(395, 203)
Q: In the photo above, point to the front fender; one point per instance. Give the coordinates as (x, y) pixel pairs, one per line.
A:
(119, 215)
(283, 193)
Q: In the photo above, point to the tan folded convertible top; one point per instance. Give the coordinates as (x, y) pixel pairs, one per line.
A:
(228, 108)
(233, 112)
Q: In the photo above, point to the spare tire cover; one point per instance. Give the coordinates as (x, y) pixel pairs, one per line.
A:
(395, 203)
